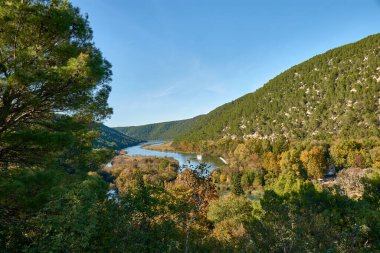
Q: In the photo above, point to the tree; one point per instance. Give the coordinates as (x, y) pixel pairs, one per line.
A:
(270, 162)
(72, 222)
(229, 214)
(49, 67)
(237, 189)
(314, 161)
(229, 206)
(340, 152)
(372, 190)
(241, 152)
(375, 157)
(193, 187)
(289, 160)
(309, 219)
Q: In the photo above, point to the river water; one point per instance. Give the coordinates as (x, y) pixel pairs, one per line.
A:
(183, 159)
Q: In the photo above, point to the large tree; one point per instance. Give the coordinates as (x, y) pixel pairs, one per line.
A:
(49, 70)
(314, 161)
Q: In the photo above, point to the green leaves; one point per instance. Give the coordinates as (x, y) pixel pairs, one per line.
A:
(229, 206)
(50, 71)
(72, 221)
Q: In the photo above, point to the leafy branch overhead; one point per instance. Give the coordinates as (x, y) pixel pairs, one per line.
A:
(49, 69)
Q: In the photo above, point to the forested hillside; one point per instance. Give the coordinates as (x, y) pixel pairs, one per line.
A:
(112, 139)
(159, 131)
(333, 94)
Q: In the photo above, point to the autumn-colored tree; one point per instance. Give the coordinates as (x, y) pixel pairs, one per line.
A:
(194, 188)
(241, 152)
(270, 162)
(314, 160)
(253, 161)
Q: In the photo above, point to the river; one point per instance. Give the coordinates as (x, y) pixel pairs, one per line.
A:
(183, 159)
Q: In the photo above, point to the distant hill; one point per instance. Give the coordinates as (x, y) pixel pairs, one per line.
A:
(159, 131)
(112, 139)
(335, 94)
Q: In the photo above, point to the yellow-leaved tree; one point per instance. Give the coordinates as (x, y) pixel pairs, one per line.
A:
(314, 161)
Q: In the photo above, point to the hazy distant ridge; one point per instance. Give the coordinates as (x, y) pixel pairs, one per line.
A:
(110, 138)
(159, 131)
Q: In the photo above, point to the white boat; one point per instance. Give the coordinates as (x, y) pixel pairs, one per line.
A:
(199, 157)
(223, 160)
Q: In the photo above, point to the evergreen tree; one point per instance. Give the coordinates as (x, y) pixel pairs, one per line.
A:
(237, 189)
(51, 77)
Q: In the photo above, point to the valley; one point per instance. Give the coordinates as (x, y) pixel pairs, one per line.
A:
(291, 166)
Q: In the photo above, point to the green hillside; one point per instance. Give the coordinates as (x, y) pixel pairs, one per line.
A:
(112, 139)
(335, 94)
(159, 131)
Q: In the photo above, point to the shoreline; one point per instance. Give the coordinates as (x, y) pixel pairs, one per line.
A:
(164, 147)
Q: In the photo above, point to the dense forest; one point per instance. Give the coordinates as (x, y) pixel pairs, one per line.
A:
(335, 94)
(159, 131)
(113, 139)
(59, 193)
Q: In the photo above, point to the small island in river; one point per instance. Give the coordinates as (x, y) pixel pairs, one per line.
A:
(163, 147)
(155, 170)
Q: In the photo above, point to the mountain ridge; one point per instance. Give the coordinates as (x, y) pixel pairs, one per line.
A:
(113, 139)
(335, 93)
(159, 131)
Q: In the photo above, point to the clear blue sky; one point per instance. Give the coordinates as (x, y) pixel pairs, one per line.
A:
(175, 59)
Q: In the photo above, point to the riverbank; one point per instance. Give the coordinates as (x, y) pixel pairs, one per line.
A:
(164, 147)
(156, 148)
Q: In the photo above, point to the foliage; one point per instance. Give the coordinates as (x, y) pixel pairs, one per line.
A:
(158, 131)
(285, 183)
(312, 221)
(335, 94)
(354, 153)
(229, 206)
(314, 161)
(270, 162)
(237, 189)
(125, 169)
(293, 215)
(194, 188)
(53, 81)
(372, 190)
(289, 160)
(112, 139)
(73, 222)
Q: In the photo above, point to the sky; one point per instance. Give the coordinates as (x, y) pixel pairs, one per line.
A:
(176, 59)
